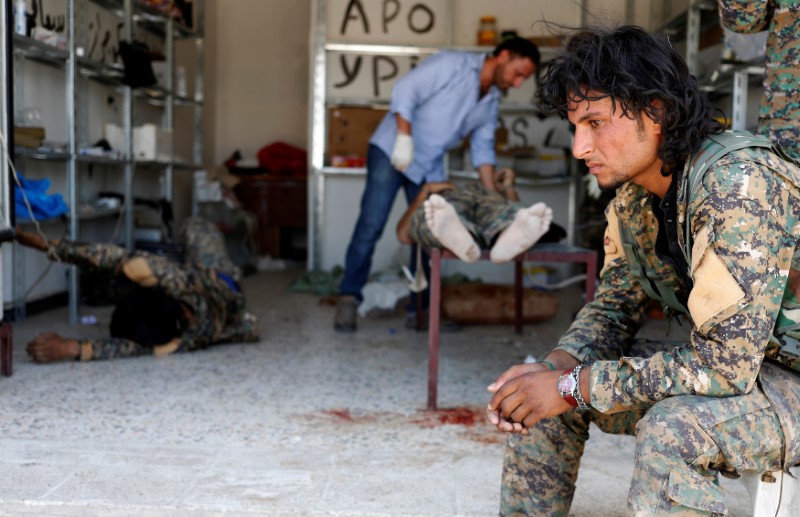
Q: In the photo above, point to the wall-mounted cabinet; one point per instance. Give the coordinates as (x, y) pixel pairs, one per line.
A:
(106, 135)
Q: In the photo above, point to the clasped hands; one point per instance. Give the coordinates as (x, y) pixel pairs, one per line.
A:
(523, 395)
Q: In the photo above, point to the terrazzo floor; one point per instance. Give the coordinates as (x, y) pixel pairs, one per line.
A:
(305, 422)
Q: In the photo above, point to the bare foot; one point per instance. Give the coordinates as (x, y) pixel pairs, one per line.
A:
(444, 224)
(528, 226)
(49, 347)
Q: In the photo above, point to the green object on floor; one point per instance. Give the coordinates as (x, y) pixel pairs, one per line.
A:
(325, 283)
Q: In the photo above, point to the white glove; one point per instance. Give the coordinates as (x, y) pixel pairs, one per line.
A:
(592, 187)
(403, 152)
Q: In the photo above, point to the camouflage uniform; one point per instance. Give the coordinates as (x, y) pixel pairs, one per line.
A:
(485, 214)
(217, 304)
(779, 118)
(725, 401)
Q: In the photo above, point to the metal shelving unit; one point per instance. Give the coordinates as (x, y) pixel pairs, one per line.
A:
(79, 70)
(730, 79)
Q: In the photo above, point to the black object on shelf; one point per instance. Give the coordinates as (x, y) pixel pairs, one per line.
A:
(138, 64)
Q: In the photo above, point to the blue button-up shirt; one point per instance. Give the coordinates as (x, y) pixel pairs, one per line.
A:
(440, 98)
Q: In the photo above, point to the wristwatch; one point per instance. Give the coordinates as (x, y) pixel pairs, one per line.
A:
(569, 387)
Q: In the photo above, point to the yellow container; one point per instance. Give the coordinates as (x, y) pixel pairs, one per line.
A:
(487, 31)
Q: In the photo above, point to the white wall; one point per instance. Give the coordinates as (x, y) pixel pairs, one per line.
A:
(256, 75)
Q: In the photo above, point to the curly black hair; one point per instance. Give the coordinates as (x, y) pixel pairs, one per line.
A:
(642, 73)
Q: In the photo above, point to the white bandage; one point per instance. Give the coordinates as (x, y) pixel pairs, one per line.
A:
(403, 152)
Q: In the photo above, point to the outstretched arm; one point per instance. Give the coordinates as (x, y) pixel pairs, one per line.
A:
(30, 239)
(405, 221)
(50, 347)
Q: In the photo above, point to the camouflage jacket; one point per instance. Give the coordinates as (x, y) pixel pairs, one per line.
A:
(219, 314)
(779, 117)
(745, 251)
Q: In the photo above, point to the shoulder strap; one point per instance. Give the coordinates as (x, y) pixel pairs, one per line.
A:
(657, 291)
(716, 146)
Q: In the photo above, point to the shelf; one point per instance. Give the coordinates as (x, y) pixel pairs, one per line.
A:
(721, 81)
(102, 160)
(359, 103)
(521, 180)
(109, 74)
(675, 27)
(508, 107)
(42, 153)
(150, 17)
(88, 212)
(40, 52)
(410, 50)
(381, 49)
(85, 213)
(154, 95)
(185, 102)
(343, 171)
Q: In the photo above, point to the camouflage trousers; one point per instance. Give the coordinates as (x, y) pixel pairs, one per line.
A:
(204, 244)
(682, 443)
(485, 214)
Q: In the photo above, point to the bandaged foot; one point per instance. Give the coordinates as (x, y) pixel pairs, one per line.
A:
(528, 226)
(444, 224)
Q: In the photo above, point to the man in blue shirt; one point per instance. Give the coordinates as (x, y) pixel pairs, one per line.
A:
(446, 98)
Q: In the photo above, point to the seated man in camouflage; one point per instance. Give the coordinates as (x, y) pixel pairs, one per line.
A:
(170, 308)
(466, 218)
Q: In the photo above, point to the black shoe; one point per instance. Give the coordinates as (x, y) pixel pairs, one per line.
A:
(345, 320)
(445, 325)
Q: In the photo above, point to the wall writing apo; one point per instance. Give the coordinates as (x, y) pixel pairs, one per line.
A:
(370, 73)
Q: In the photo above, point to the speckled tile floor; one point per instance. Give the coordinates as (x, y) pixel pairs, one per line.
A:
(306, 422)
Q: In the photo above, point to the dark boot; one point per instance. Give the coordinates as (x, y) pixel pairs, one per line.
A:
(345, 320)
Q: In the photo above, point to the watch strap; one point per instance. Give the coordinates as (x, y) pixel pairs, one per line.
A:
(576, 394)
(567, 395)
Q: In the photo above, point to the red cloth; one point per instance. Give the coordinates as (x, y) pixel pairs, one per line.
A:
(283, 159)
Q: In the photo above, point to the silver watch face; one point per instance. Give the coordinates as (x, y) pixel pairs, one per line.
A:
(566, 384)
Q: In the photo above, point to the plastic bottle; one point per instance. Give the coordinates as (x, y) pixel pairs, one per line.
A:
(487, 31)
(20, 19)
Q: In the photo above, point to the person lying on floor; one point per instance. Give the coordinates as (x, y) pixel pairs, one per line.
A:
(170, 307)
(467, 218)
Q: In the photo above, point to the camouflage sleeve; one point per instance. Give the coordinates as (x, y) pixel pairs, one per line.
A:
(110, 348)
(746, 16)
(245, 332)
(741, 254)
(604, 328)
(107, 257)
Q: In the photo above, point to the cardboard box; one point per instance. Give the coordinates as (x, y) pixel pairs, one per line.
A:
(32, 137)
(350, 128)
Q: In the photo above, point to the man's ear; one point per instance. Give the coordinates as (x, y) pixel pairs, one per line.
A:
(504, 56)
(659, 109)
